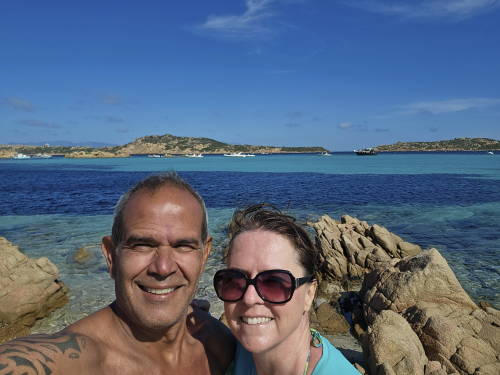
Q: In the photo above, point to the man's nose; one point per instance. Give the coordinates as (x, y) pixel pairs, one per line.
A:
(163, 263)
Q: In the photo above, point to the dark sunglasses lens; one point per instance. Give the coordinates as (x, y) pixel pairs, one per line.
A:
(230, 285)
(275, 286)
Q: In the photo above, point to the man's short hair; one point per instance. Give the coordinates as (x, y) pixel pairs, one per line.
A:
(152, 184)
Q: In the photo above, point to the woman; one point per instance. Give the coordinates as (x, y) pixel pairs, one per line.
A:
(268, 289)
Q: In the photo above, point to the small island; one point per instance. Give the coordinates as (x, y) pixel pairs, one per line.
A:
(457, 144)
(160, 145)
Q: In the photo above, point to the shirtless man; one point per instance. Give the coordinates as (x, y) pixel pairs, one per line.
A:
(156, 254)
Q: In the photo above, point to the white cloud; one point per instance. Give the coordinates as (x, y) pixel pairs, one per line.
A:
(19, 104)
(447, 106)
(427, 8)
(344, 125)
(107, 118)
(251, 24)
(294, 114)
(112, 99)
(39, 124)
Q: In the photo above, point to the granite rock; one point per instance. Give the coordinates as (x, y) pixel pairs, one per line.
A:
(351, 248)
(420, 297)
(29, 290)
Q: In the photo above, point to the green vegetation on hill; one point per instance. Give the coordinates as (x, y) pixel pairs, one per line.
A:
(457, 144)
(51, 149)
(161, 144)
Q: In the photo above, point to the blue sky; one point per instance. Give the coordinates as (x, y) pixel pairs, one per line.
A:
(342, 74)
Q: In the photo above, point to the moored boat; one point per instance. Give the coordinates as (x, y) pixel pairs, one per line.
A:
(21, 156)
(42, 156)
(239, 155)
(366, 152)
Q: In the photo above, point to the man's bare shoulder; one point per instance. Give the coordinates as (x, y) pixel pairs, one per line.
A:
(44, 354)
(77, 350)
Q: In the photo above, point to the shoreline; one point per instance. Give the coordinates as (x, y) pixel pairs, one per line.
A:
(98, 155)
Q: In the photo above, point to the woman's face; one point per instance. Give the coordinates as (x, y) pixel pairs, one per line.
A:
(259, 325)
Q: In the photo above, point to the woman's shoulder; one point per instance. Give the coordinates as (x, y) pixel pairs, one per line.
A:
(333, 359)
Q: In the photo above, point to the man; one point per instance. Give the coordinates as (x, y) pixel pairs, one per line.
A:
(156, 254)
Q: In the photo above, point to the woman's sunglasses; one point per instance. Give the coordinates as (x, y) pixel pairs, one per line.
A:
(273, 286)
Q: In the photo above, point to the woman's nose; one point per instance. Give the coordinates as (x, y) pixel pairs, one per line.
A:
(251, 296)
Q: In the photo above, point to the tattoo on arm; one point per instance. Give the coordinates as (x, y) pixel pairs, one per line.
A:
(38, 354)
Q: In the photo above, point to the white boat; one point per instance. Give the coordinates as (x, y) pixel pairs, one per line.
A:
(42, 156)
(194, 155)
(491, 153)
(326, 153)
(21, 156)
(155, 156)
(239, 155)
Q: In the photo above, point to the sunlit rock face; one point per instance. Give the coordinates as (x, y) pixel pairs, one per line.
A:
(420, 297)
(29, 290)
(405, 305)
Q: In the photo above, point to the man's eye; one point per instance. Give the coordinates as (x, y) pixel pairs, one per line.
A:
(186, 248)
(142, 247)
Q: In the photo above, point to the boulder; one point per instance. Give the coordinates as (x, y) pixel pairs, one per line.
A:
(29, 290)
(326, 319)
(393, 347)
(351, 248)
(423, 292)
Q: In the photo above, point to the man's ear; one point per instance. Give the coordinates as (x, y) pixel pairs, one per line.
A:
(310, 294)
(207, 249)
(108, 250)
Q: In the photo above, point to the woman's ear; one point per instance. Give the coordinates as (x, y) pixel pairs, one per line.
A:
(108, 250)
(310, 294)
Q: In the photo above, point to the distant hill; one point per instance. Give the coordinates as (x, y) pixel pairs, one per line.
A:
(166, 144)
(66, 143)
(457, 144)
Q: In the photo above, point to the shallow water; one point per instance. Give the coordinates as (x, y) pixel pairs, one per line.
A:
(450, 201)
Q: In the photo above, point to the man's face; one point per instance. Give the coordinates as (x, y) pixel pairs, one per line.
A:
(157, 265)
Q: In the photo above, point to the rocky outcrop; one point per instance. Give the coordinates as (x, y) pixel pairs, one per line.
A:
(348, 250)
(420, 297)
(411, 315)
(29, 290)
(351, 248)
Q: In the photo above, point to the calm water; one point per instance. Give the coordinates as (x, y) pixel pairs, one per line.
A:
(450, 201)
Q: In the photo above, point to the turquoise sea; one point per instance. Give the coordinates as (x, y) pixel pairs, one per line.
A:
(450, 201)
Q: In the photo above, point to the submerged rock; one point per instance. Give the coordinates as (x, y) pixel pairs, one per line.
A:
(29, 290)
(82, 255)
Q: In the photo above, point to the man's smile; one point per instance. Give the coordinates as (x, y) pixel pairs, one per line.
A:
(157, 291)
